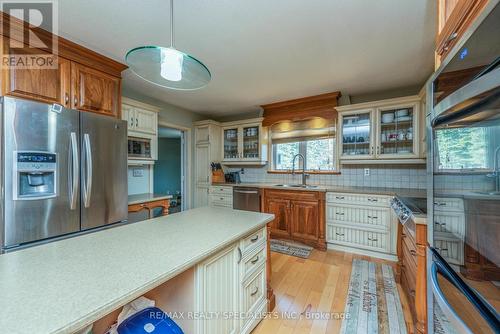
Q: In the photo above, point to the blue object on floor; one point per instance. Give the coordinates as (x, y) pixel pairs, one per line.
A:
(150, 320)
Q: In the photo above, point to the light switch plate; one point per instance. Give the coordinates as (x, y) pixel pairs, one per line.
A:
(367, 171)
(138, 172)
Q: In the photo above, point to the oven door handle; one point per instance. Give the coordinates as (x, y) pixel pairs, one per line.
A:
(489, 314)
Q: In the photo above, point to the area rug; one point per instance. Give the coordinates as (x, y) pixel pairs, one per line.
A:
(291, 248)
(373, 305)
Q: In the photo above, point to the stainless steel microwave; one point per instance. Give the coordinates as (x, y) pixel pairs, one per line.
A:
(139, 148)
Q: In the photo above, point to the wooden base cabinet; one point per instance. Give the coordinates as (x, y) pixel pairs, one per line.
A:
(300, 216)
(232, 282)
(412, 270)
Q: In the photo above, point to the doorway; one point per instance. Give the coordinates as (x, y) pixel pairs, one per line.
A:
(169, 171)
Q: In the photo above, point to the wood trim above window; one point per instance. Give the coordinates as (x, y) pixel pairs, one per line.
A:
(300, 109)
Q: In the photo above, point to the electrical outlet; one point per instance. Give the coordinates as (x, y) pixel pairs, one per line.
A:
(138, 172)
(367, 171)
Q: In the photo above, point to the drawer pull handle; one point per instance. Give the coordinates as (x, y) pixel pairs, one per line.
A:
(442, 249)
(440, 203)
(440, 224)
(412, 293)
(339, 213)
(372, 200)
(254, 261)
(340, 234)
(372, 239)
(339, 197)
(254, 292)
(240, 255)
(372, 217)
(413, 252)
(254, 239)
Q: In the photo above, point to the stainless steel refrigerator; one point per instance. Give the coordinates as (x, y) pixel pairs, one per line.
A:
(63, 172)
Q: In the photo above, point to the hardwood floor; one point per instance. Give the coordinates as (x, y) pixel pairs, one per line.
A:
(317, 284)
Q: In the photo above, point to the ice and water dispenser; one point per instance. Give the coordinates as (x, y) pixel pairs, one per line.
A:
(35, 175)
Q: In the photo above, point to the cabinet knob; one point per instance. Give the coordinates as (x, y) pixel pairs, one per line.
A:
(66, 99)
(75, 101)
(413, 252)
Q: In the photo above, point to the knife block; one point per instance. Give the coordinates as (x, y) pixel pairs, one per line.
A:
(218, 176)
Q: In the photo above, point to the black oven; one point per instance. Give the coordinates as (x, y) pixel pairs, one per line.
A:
(464, 204)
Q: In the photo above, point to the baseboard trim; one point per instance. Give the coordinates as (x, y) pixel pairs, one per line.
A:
(383, 256)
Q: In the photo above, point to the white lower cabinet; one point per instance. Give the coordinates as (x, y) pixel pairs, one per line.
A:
(230, 288)
(449, 229)
(362, 224)
(220, 196)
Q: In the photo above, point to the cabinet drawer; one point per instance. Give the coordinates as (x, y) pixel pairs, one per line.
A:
(409, 258)
(252, 241)
(355, 199)
(451, 223)
(221, 190)
(448, 204)
(255, 259)
(409, 285)
(254, 290)
(376, 241)
(223, 201)
(375, 217)
(450, 249)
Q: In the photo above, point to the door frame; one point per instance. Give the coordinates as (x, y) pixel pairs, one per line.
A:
(186, 163)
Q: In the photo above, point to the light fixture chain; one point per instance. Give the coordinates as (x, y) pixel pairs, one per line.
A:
(172, 24)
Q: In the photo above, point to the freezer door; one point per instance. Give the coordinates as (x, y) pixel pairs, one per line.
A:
(40, 171)
(103, 170)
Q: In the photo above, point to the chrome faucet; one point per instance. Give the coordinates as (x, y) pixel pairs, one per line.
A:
(304, 175)
(496, 170)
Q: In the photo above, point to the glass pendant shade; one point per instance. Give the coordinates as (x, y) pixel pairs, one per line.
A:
(168, 67)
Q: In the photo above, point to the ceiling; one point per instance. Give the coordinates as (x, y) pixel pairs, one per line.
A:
(263, 51)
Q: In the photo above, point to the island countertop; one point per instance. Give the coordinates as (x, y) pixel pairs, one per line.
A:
(147, 197)
(63, 286)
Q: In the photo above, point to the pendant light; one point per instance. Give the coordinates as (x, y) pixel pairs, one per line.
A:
(167, 66)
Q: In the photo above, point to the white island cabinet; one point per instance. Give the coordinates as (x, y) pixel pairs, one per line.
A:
(197, 262)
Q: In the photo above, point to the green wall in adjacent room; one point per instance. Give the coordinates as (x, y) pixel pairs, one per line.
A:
(167, 169)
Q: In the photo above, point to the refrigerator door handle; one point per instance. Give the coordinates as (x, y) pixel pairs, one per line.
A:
(87, 184)
(74, 171)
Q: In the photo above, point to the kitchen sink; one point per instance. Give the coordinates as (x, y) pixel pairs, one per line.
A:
(296, 186)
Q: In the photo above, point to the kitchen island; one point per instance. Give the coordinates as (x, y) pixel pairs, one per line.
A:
(63, 286)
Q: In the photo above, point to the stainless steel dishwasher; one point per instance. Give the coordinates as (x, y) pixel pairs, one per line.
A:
(245, 198)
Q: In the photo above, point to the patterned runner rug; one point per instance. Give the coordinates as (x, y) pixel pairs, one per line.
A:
(291, 248)
(373, 305)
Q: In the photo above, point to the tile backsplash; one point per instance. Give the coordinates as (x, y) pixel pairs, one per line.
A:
(394, 176)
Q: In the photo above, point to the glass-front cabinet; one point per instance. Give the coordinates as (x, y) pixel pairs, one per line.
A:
(230, 138)
(357, 134)
(384, 131)
(396, 131)
(244, 143)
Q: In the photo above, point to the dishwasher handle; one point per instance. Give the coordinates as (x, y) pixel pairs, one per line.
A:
(254, 192)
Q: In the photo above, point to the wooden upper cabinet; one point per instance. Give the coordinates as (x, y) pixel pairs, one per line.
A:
(83, 79)
(454, 18)
(95, 91)
(44, 85)
(305, 220)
